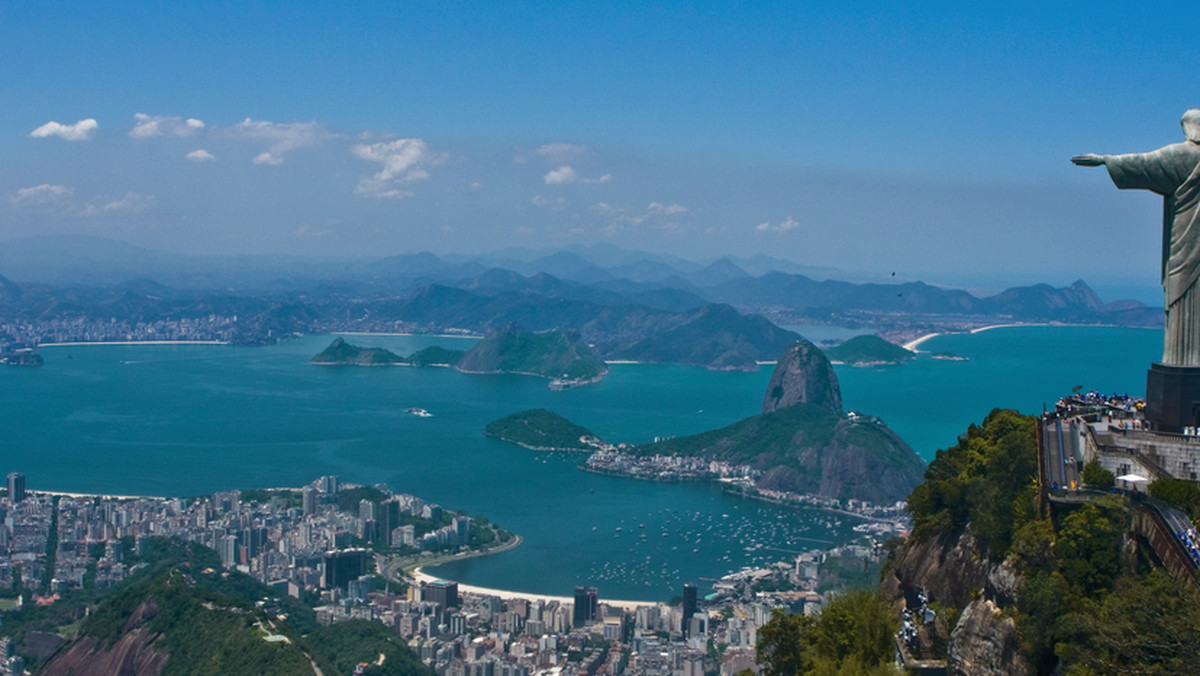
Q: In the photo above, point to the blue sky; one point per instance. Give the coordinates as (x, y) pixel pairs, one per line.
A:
(932, 140)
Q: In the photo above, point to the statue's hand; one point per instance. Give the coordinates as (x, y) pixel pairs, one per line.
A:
(1088, 160)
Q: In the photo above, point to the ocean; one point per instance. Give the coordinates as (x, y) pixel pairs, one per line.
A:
(187, 420)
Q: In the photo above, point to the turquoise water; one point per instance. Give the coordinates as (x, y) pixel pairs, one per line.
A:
(192, 419)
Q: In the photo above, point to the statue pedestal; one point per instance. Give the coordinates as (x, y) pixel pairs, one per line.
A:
(1172, 397)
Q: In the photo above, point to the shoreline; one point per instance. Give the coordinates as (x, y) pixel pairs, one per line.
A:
(104, 496)
(133, 342)
(471, 336)
(913, 344)
(421, 576)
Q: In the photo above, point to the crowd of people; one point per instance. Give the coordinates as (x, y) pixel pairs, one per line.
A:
(1188, 538)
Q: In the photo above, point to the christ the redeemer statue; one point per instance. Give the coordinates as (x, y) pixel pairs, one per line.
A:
(1174, 173)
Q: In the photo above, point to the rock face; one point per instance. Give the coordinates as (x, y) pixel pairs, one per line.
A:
(956, 572)
(951, 571)
(858, 461)
(803, 443)
(803, 375)
(134, 653)
(984, 643)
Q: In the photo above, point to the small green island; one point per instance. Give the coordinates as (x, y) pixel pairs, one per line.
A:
(542, 430)
(550, 354)
(869, 350)
(567, 362)
(341, 353)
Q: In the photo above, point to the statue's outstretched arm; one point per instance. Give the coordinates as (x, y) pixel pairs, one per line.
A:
(1088, 160)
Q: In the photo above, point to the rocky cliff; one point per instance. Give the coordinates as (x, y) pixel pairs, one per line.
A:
(953, 571)
(803, 443)
(134, 653)
(956, 572)
(984, 643)
(803, 376)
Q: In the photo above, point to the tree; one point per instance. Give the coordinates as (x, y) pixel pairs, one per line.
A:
(1096, 476)
(1178, 493)
(852, 635)
(1148, 625)
(1089, 543)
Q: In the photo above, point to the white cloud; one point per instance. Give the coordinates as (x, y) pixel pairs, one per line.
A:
(283, 137)
(157, 125)
(666, 210)
(785, 225)
(557, 205)
(131, 203)
(565, 175)
(201, 155)
(42, 194)
(267, 159)
(656, 215)
(80, 131)
(403, 161)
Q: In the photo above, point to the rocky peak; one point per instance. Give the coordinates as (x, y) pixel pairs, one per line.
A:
(803, 375)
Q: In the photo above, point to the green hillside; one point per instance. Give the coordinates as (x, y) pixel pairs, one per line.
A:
(868, 350)
(435, 356)
(805, 448)
(539, 429)
(550, 354)
(340, 352)
(181, 614)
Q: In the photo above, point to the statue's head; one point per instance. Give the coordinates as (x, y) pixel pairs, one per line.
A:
(1191, 125)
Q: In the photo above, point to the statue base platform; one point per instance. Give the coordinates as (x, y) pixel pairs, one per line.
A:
(1172, 397)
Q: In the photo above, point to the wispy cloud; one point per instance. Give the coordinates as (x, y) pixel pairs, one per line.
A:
(565, 175)
(666, 210)
(201, 155)
(283, 137)
(404, 161)
(561, 152)
(555, 204)
(131, 203)
(148, 126)
(656, 214)
(80, 131)
(785, 225)
(267, 159)
(42, 194)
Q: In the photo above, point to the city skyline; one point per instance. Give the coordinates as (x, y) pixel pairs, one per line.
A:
(929, 141)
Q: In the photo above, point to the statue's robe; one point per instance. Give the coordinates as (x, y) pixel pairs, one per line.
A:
(1174, 173)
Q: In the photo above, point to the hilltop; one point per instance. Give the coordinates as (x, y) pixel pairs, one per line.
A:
(1024, 587)
(340, 352)
(869, 350)
(179, 613)
(567, 362)
(541, 430)
(804, 443)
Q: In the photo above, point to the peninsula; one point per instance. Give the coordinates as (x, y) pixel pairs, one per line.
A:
(542, 430)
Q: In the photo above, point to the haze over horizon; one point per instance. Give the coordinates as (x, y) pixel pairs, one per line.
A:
(929, 141)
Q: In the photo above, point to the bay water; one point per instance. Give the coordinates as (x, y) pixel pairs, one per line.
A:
(186, 420)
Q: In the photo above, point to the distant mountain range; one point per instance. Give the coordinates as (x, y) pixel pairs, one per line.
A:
(625, 305)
